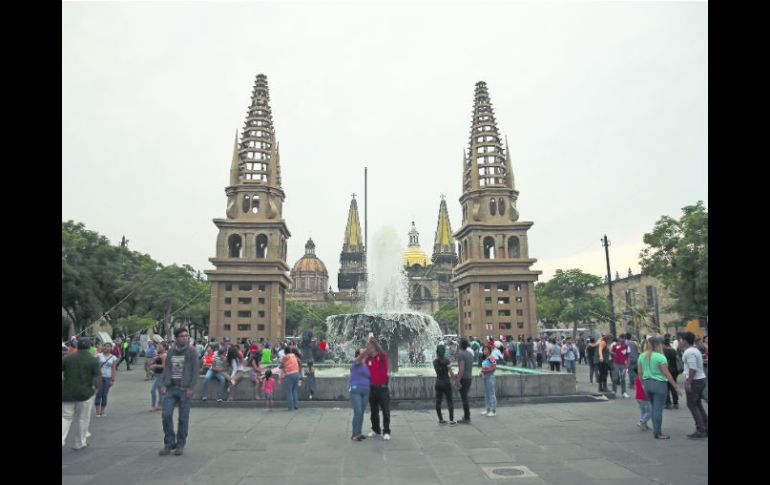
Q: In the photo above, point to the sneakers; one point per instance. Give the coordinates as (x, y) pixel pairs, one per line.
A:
(452, 423)
(165, 451)
(698, 435)
(465, 421)
(625, 395)
(643, 426)
(386, 437)
(490, 414)
(441, 421)
(484, 413)
(179, 451)
(204, 398)
(220, 400)
(662, 437)
(372, 434)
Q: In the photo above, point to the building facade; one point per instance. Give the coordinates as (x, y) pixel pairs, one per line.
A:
(430, 285)
(496, 287)
(642, 301)
(249, 284)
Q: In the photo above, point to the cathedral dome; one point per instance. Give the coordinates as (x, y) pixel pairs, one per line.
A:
(309, 263)
(414, 255)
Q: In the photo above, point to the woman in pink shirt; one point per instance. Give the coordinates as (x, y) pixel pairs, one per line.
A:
(290, 372)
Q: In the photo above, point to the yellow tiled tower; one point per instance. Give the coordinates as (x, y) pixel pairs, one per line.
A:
(496, 287)
(248, 286)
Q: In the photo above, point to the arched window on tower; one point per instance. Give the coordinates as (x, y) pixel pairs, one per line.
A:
(501, 206)
(489, 248)
(246, 203)
(465, 250)
(255, 204)
(492, 206)
(234, 244)
(514, 248)
(261, 246)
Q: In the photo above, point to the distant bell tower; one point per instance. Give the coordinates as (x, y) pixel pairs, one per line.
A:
(248, 286)
(352, 273)
(496, 287)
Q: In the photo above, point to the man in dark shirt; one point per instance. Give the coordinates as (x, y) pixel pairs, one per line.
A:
(81, 377)
(465, 375)
(673, 367)
(179, 377)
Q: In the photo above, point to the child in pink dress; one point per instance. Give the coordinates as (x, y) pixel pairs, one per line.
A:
(268, 386)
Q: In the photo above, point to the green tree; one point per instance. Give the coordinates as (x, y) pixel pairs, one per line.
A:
(448, 318)
(565, 298)
(133, 324)
(678, 255)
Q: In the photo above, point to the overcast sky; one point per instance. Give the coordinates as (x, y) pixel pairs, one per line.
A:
(605, 106)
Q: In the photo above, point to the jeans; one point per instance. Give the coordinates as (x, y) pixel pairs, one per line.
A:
(645, 411)
(570, 364)
(155, 390)
(220, 376)
(695, 405)
(672, 394)
(618, 376)
(101, 394)
(358, 398)
(465, 385)
(444, 388)
(490, 400)
(591, 371)
(175, 396)
(379, 397)
(603, 370)
(632, 365)
(656, 393)
(80, 411)
(291, 381)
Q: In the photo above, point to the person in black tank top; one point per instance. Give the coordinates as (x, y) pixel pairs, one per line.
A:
(443, 384)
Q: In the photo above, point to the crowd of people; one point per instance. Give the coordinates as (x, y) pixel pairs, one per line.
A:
(89, 370)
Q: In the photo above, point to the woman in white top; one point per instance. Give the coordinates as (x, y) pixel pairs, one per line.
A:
(554, 353)
(107, 364)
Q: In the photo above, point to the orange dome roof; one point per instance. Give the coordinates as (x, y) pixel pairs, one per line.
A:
(309, 264)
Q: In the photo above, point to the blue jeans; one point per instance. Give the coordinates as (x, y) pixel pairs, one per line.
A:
(290, 383)
(490, 400)
(358, 397)
(656, 393)
(570, 365)
(645, 411)
(618, 377)
(220, 376)
(175, 396)
(155, 391)
(101, 396)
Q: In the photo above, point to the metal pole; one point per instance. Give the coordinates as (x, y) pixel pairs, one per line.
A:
(366, 218)
(606, 245)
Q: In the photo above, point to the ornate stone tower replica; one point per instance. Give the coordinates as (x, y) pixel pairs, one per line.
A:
(248, 286)
(496, 292)
(351, 280)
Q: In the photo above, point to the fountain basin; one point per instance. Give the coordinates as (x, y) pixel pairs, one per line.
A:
(509, 382)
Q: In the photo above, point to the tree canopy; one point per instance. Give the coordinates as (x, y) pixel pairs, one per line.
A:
(565, 298)
(677, 253)
(131, 290)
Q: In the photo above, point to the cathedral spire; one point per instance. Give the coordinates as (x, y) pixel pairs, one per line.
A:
(259, 154)
(353, 241)
(443, 243)
(486, 158)
(414, 236)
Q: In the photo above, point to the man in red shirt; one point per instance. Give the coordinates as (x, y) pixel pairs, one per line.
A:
(619, 353)
(379, 395)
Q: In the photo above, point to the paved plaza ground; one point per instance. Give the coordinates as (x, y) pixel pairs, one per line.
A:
(560, 444)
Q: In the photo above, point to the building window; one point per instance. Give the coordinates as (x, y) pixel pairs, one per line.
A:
(228, 313)
(487, 287)
(503, 313)
(244, 327)
(514, 248)
(504, 326)
(255, 204)
(650, 296)
(489, 248)
(234, 245)
(260, 327)
(261, 246)
(520, 324)
(244, 314)
(244, 287)
(246, 203)
(261, 301)
(492, 207)
(501, 207)
(488, 313)
(228, 301)
(502, 288)
(517, 287)
(227, 326)
(518, 299)
(228, 287)
(503, 300)
(488, 300)
(244, 301)
(489, 326)
(519, 313)
(261, 288)
(468, 326)
(261, 313)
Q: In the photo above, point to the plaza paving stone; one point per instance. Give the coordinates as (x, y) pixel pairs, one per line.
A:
(562, 443)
